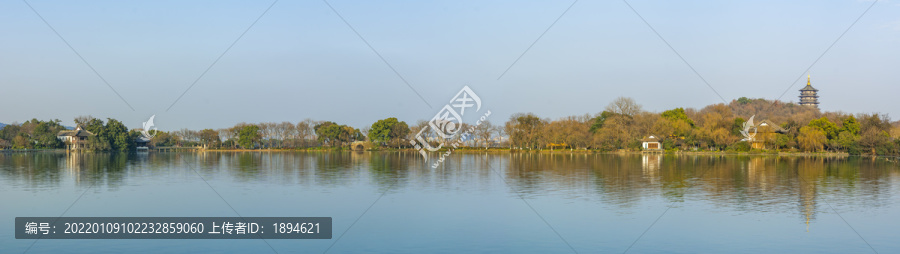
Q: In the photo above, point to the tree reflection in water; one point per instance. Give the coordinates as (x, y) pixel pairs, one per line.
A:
(731, 182)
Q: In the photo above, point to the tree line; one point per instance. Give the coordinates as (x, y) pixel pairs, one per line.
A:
(33, 134)
(620, 126)
(716, 127)
(111, 135)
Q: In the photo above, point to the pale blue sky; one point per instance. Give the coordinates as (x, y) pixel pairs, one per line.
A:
(301, 61)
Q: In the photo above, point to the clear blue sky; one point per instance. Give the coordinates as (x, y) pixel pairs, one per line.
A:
(301, 61)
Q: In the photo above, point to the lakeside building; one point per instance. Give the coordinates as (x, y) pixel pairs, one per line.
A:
(765, 135)
(651, 143)
(74, 139)
(142, 144)
(809, 95)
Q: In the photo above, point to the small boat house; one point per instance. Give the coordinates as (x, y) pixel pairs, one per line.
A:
(651, 143)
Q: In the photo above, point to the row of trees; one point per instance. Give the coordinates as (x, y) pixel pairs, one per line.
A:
(109, 136)
(388, 132)
(870, 136)
(717, 127)
(307, 133)
(36, 134)
(620, 126)
(33, 134)
(242, 135)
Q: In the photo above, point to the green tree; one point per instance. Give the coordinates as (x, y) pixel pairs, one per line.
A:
(782, 141)
(328, 132)
(830, 129)
(93, 125)
(9, 132)
(103, 139)
(875, 137)
(598, 121)
(848, 142)
(248, 136)
(334, 133)
(676, 115)
(737, 126)
(33, 134)
(162, 138)
(43, 133)
(675, 123)
(388, 129)
(117, 135)
(98, 143)
(850, 125)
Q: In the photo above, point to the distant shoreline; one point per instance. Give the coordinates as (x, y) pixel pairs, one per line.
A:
(491, 151)
(561, 151)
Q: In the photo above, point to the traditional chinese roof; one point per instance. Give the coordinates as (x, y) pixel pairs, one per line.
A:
(650, 139)
(775, 127)
(77, 132)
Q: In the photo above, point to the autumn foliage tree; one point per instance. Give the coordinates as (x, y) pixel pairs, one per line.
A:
(525, 130)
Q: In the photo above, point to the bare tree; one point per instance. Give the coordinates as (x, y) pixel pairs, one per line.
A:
(365, 131)
(268, 133)
(568, 132)
(83, 120)
(226, 134)
(624, 106)
(288, 134)
(305, 131)
(483, 132)
(187, 135)
(500, 131)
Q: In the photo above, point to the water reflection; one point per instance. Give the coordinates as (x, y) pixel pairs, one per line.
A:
(798, 185)
(736, 183)
(47, 169)
(650, 164)
(388, 169)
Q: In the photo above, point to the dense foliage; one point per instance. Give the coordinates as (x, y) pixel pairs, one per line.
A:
(714, 128)
(388, 130)
(619, 126)
(33, 134)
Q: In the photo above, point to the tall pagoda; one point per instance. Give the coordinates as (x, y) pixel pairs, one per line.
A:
(808, 95)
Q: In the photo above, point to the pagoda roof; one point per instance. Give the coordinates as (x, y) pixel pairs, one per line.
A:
(808, 86)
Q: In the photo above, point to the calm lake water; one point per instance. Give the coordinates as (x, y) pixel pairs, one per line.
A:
(472, 203)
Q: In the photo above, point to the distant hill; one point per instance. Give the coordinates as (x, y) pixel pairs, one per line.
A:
(1, 125)
(778, 112)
